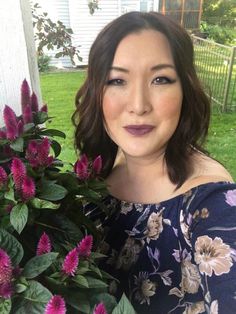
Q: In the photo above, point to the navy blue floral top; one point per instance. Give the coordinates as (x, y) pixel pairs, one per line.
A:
(178, 256)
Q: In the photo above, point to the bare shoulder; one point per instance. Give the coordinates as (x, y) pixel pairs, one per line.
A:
(207, 170)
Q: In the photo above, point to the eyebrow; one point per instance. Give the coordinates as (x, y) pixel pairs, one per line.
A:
(154, 68)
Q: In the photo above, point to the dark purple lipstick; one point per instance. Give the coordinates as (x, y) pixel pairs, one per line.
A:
(139, 130)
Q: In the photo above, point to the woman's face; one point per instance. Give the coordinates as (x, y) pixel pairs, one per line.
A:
(143, 96)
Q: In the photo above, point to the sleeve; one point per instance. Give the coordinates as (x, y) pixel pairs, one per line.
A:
(213, 240)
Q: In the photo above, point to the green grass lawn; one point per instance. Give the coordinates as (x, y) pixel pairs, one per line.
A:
(59, 89)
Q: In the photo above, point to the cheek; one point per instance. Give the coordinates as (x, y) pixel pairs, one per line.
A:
(111, 108)
(171, 106)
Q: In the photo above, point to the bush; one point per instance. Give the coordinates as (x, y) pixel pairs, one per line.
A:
(220, 34)
(43, 63)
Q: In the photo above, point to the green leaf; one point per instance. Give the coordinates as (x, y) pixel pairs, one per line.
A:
(13, 248)
(96, 270)
(28, 126)
(9, 195)
(19, 288)
(5, 306)
(124, 306)
(56, 148)
(38, 264)
(52, 192)
(53, 132)
(19, 216)
(40, 117)
(38, 203)
(32, 300)
(81, 281)
(78, 301)
(96, 255)
(18, 145)
(82, 270)
(95, 283)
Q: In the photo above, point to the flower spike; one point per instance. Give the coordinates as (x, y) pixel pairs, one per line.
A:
(56, 305)
(81, 168)
(6, 290)
(44, 108)
(85, 246)
(10, 120)
(100, 309)
(28, 188)
(3, 176)
(25, 94)
(18, 171)
(5, 267)
(44, 244)
(71, 262)
(97, 164)
(34, 102)
(27, 114)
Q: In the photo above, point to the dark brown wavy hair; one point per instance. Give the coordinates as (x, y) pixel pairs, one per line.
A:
(91, 137)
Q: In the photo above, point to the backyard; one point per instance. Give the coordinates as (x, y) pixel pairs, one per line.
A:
(59, 89)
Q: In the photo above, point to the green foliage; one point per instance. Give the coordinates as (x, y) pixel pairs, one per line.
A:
(219, 12)
(43, 62)
(52, 35)
(53, 209)
(220, 34)
(93, 6)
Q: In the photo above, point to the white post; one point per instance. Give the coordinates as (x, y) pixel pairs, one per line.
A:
(17, 53)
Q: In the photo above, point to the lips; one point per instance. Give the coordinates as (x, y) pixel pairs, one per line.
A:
(139, 130)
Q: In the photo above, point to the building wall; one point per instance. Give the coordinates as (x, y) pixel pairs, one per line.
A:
(75, 14)
(86, 26)
(18, 55)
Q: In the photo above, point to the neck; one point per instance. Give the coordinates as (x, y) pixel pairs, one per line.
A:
(138, 169)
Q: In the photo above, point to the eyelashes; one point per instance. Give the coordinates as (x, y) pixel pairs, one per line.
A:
(159, 80)
(162, 80)
(115, 82)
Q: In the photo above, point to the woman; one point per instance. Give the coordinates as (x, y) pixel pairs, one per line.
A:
(171, 239)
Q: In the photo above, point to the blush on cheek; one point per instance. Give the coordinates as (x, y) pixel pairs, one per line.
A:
(111, 109)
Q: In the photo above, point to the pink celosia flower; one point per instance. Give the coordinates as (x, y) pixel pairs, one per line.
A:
(81, 168)
(25, 95)
(85, 246)
(20, 126)
(27, 188)
(100, 309)
(44, 244)
(37, 153)
(18, 171)
(27, 114)
(10, 120)
(71, 262)
(56, 305)
(97, 164)
(5, 267)
(34, 102)
(3, 176)
(3, 134)
(44, 108)
(6, 290)
(43, 151)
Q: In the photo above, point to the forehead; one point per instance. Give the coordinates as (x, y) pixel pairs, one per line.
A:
(149, 45)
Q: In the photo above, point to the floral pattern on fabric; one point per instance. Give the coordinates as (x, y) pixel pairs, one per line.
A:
(178, 256)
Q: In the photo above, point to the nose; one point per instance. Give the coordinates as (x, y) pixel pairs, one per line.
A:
(139, 100)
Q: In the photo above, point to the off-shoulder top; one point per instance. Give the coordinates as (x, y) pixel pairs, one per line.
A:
(177, 256)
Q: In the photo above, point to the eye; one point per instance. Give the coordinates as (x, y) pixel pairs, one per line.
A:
(161, 80)
(116, 82)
